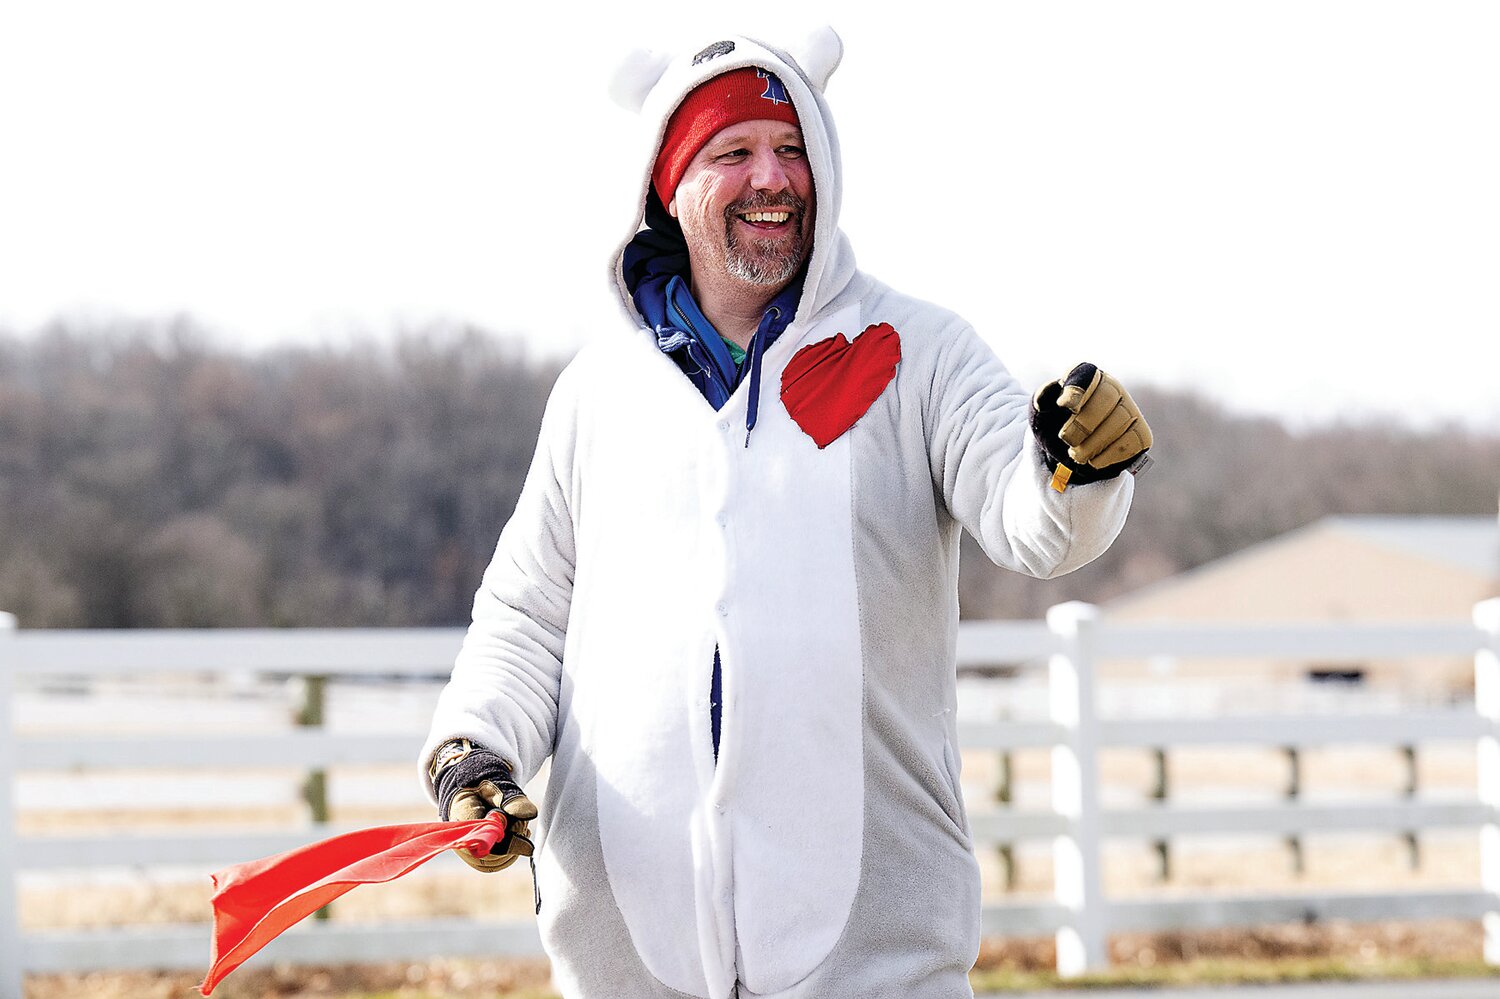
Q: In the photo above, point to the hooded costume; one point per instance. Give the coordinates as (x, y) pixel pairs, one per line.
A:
(826, 851)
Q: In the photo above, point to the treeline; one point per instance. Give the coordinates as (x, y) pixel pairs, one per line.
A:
(152, 478)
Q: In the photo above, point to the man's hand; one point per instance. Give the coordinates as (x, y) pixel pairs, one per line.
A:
(471, 782)
(1089, 426)
(477, 802)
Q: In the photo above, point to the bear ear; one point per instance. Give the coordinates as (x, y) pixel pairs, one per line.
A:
(637, 73)
(819, 55)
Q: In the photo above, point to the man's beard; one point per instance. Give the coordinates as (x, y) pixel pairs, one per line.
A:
(765, 264)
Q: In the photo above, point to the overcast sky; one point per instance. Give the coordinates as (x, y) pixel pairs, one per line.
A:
(1293, 205)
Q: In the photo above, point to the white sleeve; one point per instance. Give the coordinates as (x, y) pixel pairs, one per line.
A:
(992, 476)
(503, 693)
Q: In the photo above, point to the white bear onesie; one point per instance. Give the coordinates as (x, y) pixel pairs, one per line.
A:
(827, 852)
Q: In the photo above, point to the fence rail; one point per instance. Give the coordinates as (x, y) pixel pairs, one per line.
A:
(1071, 642)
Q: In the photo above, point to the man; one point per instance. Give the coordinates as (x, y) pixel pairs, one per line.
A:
(726, 603)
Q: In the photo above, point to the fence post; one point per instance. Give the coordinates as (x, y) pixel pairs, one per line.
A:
(315, 783)
(1081, 945)
(1487, 703)
(1159, 792)
(11, 970)
(1004, 796)
(1413, 785)
(1293, 756)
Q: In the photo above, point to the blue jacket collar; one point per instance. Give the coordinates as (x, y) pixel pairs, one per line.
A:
(655, 267)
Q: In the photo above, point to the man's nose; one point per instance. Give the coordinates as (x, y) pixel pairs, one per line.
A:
(767, 172)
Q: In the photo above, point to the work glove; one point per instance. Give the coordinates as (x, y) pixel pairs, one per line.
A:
(1089, 428)
(471, 782)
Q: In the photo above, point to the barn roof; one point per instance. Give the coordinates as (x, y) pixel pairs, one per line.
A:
(1467, 546)
(1470, 543)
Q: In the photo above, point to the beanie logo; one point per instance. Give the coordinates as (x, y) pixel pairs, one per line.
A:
(713, 52)
(775, 90)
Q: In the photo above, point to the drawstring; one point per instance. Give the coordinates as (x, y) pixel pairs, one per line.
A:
(536, 889)
(752, 410)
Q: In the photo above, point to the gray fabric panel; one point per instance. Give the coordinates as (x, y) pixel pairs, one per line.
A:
(914, 931)
(582, 930)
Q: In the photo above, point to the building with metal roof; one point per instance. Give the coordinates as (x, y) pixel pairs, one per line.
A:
(1377, 568)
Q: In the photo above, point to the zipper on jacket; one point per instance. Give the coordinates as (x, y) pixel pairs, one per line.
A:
(687, 321)
(716, 704)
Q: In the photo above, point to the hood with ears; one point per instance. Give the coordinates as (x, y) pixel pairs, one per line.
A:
(654, 84)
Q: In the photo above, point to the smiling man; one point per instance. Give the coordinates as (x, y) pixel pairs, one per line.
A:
(726, 604)
(744, 197)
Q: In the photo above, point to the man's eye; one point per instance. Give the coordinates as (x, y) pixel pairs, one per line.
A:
(793, 151)
(734, 154)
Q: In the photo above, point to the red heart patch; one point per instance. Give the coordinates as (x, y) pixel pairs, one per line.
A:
(827, 386)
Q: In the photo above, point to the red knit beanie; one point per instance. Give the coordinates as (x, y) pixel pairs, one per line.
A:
(747, 94)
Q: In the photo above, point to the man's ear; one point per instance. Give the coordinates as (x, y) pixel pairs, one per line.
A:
(672, 206)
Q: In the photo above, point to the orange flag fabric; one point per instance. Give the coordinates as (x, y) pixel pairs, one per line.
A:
(254, 902)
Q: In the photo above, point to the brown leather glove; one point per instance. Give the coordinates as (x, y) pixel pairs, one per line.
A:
(477, 802)
(1088, 424)
(471, 782)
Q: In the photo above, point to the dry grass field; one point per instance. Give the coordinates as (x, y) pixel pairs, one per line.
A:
(1337, 951)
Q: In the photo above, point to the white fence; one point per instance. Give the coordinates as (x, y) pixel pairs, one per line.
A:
(1071, 642)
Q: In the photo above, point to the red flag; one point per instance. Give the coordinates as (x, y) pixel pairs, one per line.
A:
(253, 903)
